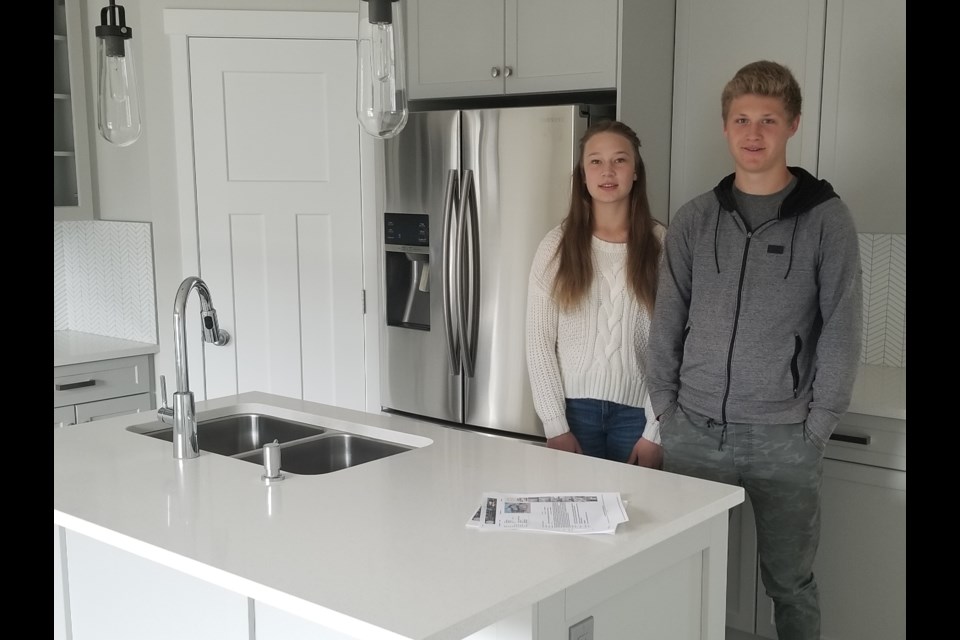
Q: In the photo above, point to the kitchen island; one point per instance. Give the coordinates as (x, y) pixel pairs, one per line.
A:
(148, 546)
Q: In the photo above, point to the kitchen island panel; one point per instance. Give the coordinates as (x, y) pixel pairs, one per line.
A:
(115, 595)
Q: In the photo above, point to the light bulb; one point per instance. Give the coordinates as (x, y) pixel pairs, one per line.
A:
(118, 100)
(381, 77)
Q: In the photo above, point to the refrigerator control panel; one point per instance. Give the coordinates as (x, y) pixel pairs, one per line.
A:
(408, 229)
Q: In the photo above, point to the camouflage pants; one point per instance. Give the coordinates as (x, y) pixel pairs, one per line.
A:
(781, 471)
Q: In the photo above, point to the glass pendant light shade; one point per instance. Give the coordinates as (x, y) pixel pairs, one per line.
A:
(381, 69)
(118, 100)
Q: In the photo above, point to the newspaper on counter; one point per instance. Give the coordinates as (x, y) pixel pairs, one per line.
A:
(583, 512)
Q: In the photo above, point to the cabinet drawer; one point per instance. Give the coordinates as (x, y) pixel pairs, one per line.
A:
(112, 407)
(873, 440)
(90, 381)
(64, 416)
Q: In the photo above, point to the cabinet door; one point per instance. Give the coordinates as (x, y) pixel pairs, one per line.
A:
(560, 45)
(861, 565)
(863, 141)
(454, 48)
(72, 199)
(113, 407)
(715, 39)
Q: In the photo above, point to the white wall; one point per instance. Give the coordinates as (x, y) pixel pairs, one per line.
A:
(139, 182)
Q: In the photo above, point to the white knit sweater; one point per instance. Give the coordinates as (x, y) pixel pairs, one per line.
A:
(597, 350)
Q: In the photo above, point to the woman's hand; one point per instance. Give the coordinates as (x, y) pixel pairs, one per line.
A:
(565, 442)
(646, 454)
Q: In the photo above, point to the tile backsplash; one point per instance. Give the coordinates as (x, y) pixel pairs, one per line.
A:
(883, 257)
(103, 279)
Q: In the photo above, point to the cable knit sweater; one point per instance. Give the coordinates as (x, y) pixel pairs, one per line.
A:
(597, 350)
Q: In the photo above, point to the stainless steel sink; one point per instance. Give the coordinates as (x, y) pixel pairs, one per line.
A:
(328, 453)
(235, 434)
(304, 449)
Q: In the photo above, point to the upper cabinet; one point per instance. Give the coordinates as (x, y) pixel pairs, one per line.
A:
(715, 39)
(849, 57)
(863, 128)
(494, 47)
(72, 191)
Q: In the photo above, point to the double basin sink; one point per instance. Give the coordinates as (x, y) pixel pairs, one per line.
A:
(305, 449)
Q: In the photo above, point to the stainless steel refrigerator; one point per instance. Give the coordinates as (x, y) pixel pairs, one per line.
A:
(469, 194)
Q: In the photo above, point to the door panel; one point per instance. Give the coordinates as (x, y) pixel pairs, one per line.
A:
(276, 146)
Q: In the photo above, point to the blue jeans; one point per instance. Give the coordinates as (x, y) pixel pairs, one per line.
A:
(605, 429)
(781, 469)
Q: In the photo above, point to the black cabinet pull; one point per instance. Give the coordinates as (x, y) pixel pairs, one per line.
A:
(846, 437)
(74, 385)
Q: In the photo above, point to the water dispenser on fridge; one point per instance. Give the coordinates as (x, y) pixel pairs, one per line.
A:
(407, 270)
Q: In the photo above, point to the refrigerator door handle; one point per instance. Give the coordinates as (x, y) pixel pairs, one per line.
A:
(468, 280)
(450, 206)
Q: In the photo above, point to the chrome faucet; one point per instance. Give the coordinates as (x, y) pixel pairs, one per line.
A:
(183, 414)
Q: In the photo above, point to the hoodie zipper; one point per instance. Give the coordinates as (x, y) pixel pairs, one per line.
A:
(736, 322)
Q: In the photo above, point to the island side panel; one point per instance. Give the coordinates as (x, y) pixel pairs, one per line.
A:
(61, 603)
(675, 590)
(115, 595)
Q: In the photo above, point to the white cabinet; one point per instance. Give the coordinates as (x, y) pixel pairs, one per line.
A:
(494, 47)
(93, 390)
(863, 130)
(72, 190)
(861, 565)
(850, 60)
(714, 39)
(645, 89)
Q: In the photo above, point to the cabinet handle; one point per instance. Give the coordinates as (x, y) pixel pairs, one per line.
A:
(74, 385)
(507, 72)
(494, 72)
(846, 437)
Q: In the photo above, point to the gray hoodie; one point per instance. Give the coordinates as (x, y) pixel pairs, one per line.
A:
(760, 327)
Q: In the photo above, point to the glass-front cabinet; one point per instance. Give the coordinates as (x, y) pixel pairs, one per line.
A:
(72, 191)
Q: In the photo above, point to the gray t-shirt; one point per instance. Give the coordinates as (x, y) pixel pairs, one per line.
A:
(755, 210)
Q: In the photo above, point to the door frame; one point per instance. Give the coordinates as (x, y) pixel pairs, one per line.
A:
(180, 25)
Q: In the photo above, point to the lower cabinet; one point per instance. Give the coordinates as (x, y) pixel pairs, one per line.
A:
(861, 565)
(94, 390)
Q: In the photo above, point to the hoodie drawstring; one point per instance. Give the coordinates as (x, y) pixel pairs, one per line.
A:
(711, 423)
(716, 235)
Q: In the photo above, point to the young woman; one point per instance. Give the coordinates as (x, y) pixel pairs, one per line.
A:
(591, 293)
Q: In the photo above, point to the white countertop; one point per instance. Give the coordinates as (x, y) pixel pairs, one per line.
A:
(374, 550)
(880, 391)
(74, 347)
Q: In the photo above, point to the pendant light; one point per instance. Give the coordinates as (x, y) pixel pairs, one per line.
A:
(118, 101)
(381, 72)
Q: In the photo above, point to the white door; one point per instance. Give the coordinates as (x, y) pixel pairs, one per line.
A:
(276, 146)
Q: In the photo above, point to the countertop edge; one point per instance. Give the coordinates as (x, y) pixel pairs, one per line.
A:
(77, 347)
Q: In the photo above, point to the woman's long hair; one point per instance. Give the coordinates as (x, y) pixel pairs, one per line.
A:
(575, 268)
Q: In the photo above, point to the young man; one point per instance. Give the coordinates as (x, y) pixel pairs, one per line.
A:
(755, 336)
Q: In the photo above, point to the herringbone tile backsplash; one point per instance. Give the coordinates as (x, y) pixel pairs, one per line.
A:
(103, 279)
(883, 257)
